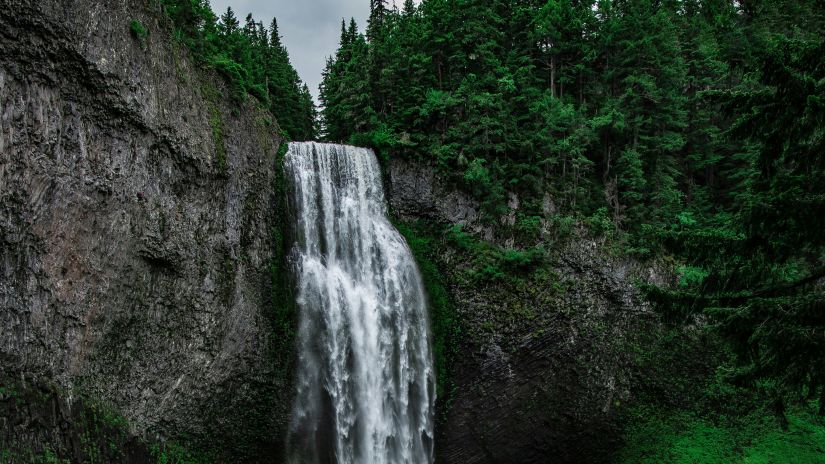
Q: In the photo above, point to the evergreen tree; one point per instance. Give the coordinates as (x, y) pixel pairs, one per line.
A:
(409, 7)
(375, 23)
(229, 23)
(762, 264)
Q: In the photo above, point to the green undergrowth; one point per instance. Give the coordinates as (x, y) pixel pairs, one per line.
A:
(690, 407)
(491, 263)
(757, 438)
(172, 453)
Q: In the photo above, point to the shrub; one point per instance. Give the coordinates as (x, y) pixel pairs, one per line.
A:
(139, 32)
(600, 224)
(523, 260)
(690, 276)
(563, 225)
(529, 228)
(234, 73)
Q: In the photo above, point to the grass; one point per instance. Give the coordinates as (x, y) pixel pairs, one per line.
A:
(757, 438)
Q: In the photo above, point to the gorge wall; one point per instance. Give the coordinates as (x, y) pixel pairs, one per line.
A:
(137, 210)
(546, 362)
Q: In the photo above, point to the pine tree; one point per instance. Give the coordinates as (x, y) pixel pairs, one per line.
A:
(375, 23)
(229, 23)
(251, 27)
(409, 7)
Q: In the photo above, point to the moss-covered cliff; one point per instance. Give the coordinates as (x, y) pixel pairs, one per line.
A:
(539, 339)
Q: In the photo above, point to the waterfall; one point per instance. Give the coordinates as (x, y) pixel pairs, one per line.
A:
(365, 387)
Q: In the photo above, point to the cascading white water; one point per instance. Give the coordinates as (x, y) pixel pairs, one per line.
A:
(365, 384)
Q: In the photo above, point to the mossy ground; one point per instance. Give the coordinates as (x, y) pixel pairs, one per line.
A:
(657, 436)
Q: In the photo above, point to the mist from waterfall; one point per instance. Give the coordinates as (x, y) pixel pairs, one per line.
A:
(365, 388)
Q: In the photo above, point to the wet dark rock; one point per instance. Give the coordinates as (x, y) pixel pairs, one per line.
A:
(134, 264)
(416, 191)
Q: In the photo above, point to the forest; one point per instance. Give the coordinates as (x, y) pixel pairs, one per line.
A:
(689, 128)
(250, 57)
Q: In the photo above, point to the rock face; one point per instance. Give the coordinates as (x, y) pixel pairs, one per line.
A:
(136, 219)
(416, 192)
(545, 364)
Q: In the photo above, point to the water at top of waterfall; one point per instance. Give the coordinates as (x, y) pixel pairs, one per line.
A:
(365, 388)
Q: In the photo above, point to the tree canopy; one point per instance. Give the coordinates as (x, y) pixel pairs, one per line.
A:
(696, 125)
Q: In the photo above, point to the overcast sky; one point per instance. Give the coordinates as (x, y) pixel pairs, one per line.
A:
(310, 29)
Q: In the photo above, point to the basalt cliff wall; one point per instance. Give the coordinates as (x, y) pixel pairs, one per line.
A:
(546, 361)
(137, 210)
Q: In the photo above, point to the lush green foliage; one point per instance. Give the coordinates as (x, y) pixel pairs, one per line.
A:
(659, 436)
(757, 270)
(491, 263)
(171, 453)
(688, 410)
(585, 100)
(139, 32)
(251, 58)
(695, 127)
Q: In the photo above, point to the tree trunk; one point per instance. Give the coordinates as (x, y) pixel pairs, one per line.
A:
(561, 85)
(779, 410)
(581, 88)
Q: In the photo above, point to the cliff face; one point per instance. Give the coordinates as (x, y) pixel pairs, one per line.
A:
(136, 230)
(545, 363)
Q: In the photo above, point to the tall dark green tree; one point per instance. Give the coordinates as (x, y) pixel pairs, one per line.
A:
(345, 91)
